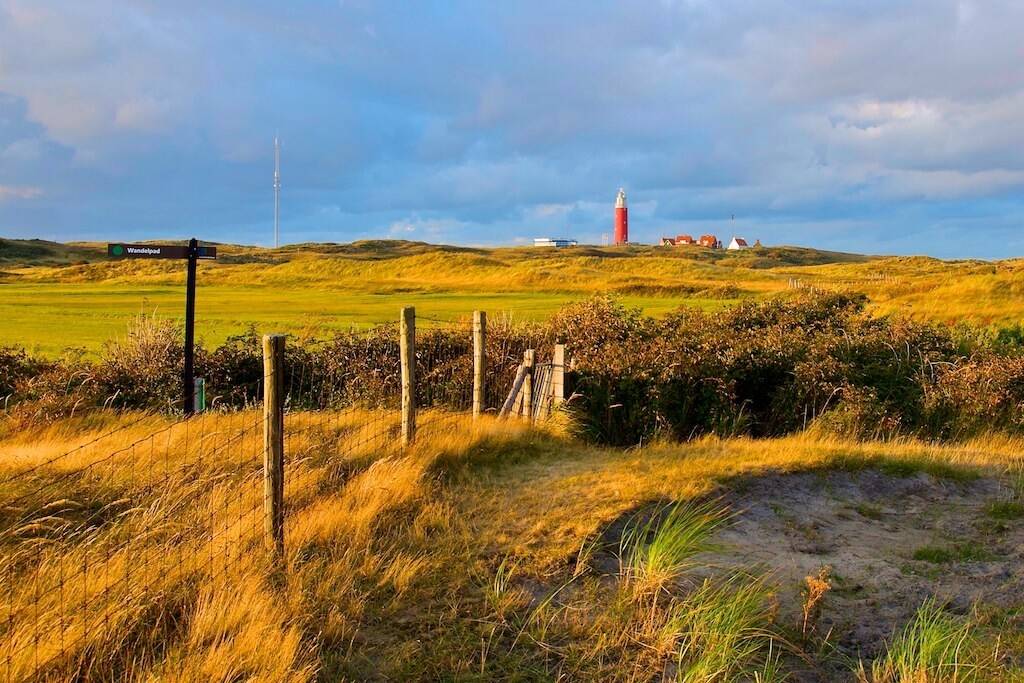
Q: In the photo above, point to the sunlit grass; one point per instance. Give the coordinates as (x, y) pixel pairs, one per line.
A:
(657, 550)
(458, 558)
(935, 647)
(724, 632)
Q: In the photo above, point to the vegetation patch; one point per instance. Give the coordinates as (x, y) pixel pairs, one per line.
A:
(962, 552)
(1006, 510)
(934, 646)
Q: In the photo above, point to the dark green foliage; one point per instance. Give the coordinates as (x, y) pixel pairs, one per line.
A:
(775, 367)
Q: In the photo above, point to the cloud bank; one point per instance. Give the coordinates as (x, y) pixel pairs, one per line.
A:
(869, 126)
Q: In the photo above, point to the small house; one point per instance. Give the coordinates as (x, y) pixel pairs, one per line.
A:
(709, 241)
(738, 243)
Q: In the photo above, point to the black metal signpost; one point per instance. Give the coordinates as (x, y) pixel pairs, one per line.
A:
(193, 252)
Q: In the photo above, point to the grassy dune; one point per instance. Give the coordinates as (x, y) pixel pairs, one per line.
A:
(56, 296)
(488, 552)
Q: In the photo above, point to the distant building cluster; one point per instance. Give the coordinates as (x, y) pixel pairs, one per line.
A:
(621, 224)
(556, 242)
(706, 241)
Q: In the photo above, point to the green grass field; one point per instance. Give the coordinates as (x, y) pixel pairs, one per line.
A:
(48, 318)
(56, 297)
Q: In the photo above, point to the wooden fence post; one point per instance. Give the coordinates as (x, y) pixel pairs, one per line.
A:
(479, 360)
(273, 440)
(407, 348)
(517, 385)
(558, 375)
(528, 358)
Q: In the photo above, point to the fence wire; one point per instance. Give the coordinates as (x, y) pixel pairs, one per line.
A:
(105, 548)
(102, 545)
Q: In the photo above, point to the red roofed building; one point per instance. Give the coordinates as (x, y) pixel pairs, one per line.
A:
(709, 241)
(677, 241)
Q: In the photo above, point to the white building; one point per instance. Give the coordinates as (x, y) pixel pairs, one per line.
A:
(556, 242)
(738, 243)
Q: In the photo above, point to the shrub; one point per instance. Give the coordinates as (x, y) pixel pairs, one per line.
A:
(976, 394)
(143, 370)
(774, 367)
(234, 371)
(15, 367)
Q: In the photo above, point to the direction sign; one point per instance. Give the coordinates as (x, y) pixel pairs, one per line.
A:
(193, 252)
(159, 251)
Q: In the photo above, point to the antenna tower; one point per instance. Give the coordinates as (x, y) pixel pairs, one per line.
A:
(277, 192)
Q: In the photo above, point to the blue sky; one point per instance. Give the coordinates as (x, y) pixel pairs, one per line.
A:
(880, 127)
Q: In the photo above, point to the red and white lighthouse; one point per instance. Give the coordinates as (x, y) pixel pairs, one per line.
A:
(621, 219)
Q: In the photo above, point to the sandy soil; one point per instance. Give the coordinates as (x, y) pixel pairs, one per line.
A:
(867, 526)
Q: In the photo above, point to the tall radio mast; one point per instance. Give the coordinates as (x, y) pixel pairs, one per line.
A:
(277, 192)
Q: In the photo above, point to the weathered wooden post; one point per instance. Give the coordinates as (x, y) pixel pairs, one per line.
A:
(479, 360)
(273, 440)
(528, 358)
(517, 385)
(407, 347)
(558, 375)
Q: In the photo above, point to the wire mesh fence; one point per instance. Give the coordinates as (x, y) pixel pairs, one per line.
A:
(107, 546)
(101, 545)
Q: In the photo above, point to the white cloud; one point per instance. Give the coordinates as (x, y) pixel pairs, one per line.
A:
(87, 70)
(8, 192)
(424, 228)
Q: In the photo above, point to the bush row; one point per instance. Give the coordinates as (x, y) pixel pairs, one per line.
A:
(144, 370)
(764, 368)
(775, 367)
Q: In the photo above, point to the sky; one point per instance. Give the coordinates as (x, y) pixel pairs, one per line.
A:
(869, 126)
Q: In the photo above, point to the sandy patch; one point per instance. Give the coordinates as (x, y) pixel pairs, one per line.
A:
(891, 543)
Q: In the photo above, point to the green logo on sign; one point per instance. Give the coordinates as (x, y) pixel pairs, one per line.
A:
(118, 250)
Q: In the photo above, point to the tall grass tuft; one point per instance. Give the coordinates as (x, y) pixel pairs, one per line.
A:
(935, 647)
(723, 631)
(656, 551)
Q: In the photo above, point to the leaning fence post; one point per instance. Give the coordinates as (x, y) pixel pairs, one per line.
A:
(479, 360)
(528, 358)
(517, 385)
(273, 440)
(407, 348)
(558, 375)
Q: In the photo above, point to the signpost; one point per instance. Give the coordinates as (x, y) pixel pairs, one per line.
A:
(193, 252)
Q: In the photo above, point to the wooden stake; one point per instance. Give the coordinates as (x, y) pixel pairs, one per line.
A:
(528, 357)
(479, 360)
(273, 440)
(517, 385)
(407, 347)
(558, 375)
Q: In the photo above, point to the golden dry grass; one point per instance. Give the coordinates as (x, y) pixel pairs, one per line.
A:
(462, 558)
